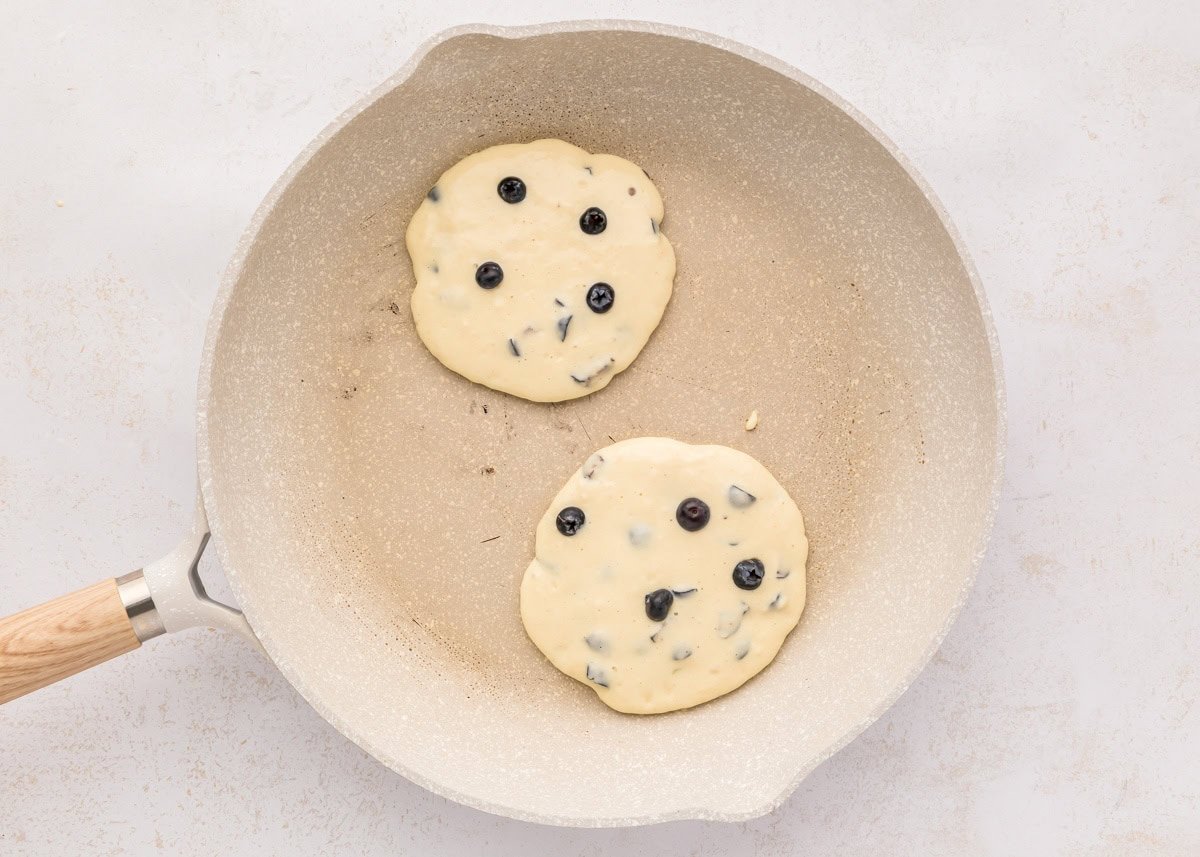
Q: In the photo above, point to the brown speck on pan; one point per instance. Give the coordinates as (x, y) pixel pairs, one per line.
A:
(492, 539)
(487, 471)
(582, 426)
(349, 392)
(485, 409)
(394, 308)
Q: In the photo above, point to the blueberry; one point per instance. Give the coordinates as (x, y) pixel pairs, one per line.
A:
(748, 574)
(489, 275)
(692, 514)
(593, 221)
(570, 520)
(658, 604)
(600, 297)
(511, 190)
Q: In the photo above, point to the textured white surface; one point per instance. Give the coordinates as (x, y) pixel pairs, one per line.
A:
(1059, 716)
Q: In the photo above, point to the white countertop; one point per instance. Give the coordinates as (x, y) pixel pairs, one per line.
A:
(1060, 716)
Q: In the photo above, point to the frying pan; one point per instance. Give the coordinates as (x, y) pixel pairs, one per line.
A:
(373, 511)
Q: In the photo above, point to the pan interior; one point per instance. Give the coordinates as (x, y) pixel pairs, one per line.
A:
(375, 511)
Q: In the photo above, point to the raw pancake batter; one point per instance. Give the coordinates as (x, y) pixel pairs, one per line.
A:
(665, 574)
(541, 269)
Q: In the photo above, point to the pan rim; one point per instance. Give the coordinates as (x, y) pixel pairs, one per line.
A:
(232, 274)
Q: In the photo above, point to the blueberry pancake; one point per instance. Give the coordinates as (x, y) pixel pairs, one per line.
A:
(541, 270)
(665, 574)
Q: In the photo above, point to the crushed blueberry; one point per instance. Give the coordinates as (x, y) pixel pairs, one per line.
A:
(748, 574)
(511, 190)
(740, 498)
(563, 324)
(597, 675)
(658, 604)
(600, 297)
(728, 622)
(639, 534)
(592, 465)
(514, 348)
(681, 653)
(434, 194)
(684, 593)
(692, 514)
(586, 379)
(782, 573)
(743, 649)
(593, 221)
(777, 602)
(596, 642)
(489, 275)
(570, 520)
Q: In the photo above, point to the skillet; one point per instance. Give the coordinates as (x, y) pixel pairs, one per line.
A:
(373, 511)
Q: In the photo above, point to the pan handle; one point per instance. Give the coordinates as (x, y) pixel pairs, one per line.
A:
(57, 639)
(68, 635)
(177, 594)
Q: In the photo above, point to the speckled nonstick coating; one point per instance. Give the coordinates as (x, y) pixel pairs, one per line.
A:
(374, 511)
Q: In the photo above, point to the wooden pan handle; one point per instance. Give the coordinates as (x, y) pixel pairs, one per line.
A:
(62, 637)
